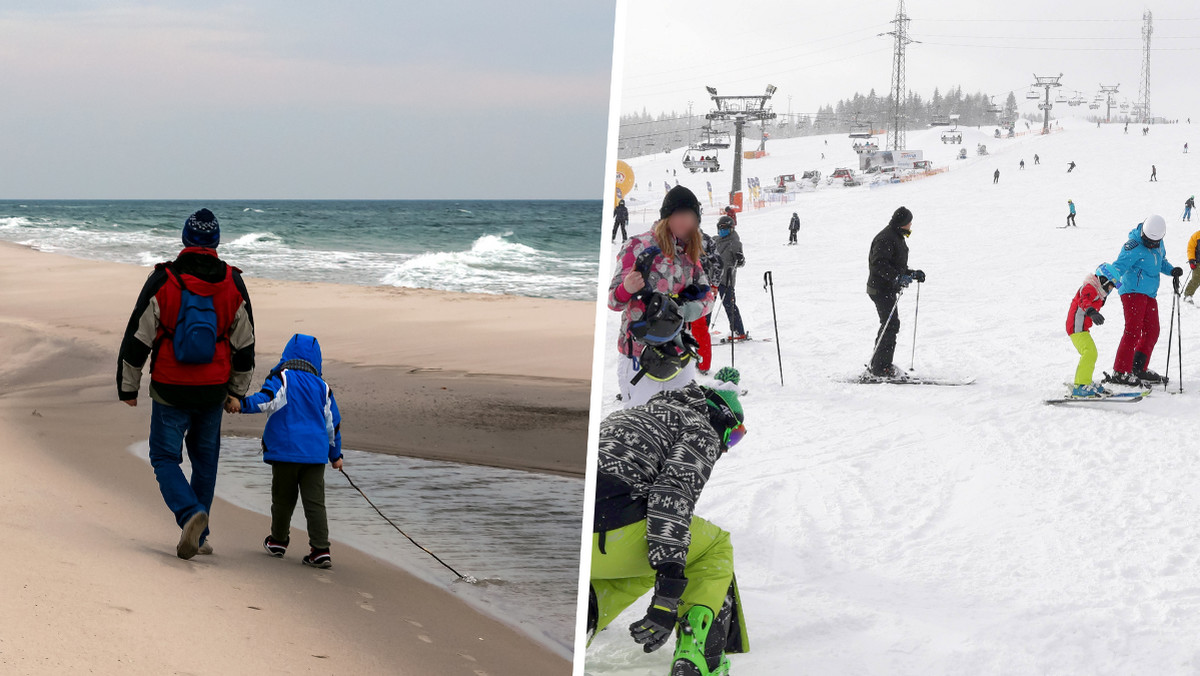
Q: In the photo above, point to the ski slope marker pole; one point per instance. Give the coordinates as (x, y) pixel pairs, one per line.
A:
(769, 281)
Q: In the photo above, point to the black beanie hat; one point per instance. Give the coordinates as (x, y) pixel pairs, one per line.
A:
(901, 218)
(678, 198)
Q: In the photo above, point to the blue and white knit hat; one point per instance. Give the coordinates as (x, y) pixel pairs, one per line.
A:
(202, 229)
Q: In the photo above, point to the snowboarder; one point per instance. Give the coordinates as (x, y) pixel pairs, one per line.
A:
(654, 462)
(1187, 208)
(194, 372)
(1193, 254)
(1141, 262)
(620, 220)
(996, 177)
(1070, 166)
(1070, 216)
(1084, 312)
(793, 228)
(1022, 165)
(660, 267)
(1036, 159)
(889, 274)
(729, 247)
(1153, 173)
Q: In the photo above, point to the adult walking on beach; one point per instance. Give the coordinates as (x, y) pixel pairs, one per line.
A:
(194, 322)
(660, 271)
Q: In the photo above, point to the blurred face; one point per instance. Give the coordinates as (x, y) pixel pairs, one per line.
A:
(907, 227)
(683, 223)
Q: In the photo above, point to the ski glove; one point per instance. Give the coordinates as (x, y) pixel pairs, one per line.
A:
(653, 630)
(1177, 272)
(691, 311)
(918, 275)
(904, 281)
(739, 259)
(1095, 315)
(1192, 263)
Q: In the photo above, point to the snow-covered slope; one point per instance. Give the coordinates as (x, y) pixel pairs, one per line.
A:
(910, 530)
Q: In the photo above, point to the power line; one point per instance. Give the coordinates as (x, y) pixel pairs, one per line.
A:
(1066, 49)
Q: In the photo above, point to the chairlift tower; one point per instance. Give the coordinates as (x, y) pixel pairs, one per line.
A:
(1144, 88)
(740, 109)
(1047, 83)
(1109, 91)
(899, 123)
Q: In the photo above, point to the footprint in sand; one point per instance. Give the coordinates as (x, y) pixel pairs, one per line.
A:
(415, 624)
(322, 578)
(424, 638)
(467, 657)
(365, 595)
(365, 605)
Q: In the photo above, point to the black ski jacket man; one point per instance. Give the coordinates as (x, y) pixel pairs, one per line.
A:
(888, 261)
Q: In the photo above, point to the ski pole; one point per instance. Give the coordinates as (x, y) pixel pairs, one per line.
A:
(1179, 343)
(435, 556)
(1170, 337)
(883, 327)
(769, 280)
(916, 313)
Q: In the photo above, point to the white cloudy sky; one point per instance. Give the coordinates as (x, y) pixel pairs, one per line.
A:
(820, 52)
(303, 99)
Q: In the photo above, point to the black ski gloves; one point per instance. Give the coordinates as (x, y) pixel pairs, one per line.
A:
(904, 281)
(1175, 275)
(1095, 315)
(1177, 272)
(918, 275)
(653, 630)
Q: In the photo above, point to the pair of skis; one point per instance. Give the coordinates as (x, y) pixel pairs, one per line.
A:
(1115, 398)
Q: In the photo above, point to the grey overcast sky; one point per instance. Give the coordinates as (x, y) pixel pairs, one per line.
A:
(818, 53)
(301, 99)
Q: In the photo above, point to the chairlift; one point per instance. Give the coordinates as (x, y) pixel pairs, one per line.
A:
(1061, 98)
(1032, 95)
(1093, 106)
(861, 130)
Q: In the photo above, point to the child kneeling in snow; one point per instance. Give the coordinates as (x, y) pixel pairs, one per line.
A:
(1085, 310)
(303, 431)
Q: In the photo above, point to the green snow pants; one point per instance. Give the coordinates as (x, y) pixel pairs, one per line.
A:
(621, 573)
(1087, 357)
(1192, 285)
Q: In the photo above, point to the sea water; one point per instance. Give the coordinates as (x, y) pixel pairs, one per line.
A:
(544, 249)
(517, 533)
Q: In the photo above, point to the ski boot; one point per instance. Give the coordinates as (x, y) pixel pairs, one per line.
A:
(885, 374)
(1142, 372)
(1118, 378)
(700, 645)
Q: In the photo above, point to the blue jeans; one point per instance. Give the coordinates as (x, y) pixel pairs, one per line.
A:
(200, 428)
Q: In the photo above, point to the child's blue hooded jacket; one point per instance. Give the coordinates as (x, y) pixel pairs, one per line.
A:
(304, 425)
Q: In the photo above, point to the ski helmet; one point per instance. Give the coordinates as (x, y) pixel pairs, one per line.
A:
(661, 322)
(1108, 275)
(725, 408)
(1154, 227)
(724, 223)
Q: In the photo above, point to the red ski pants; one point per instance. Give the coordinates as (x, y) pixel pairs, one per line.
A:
(702, 336)
(1141, 330)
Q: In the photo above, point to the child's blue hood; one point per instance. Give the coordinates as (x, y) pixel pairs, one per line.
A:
(303, 347)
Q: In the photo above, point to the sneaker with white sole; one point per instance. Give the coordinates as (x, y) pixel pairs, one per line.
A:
(205, 548)
(274, 547)
(318, 558)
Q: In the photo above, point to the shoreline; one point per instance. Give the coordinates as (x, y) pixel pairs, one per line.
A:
(472, 378)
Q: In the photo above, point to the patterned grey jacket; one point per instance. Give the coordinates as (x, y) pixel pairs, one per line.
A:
(654, 461)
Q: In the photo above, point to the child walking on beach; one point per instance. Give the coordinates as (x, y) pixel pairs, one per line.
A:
(1085, 311)
(303, 432)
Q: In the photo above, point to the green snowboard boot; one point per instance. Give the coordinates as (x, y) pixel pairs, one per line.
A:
(700, 649)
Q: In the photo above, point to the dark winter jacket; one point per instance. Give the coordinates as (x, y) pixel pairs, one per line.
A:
(729, 248)
(303, 423)
(794, 225)
(710, 260)
(654, 462)
(621, 214)
(888, 261)
(149, 334)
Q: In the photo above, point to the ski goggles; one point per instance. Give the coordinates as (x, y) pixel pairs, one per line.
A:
(733, 435)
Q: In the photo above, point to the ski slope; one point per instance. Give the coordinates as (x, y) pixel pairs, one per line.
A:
(928, 530)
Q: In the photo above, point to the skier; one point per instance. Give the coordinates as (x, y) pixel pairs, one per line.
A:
(1141, 262)
(1071, 166)
(710, 260)
(729, 247)
(1022, 165)
(654, 462)
(996, 177)
(660, 267)
(731, 213)
(1185, 149)
(890, 274)
(1036, 159)
(1085, 311)
(1187, 208)
(793, 228)
(1126, 127)
(1153, 173)
(1193, 254)
(620, 219)
(1070, 216)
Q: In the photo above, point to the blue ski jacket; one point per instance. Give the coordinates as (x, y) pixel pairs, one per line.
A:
(1140, 267)
(303, 423)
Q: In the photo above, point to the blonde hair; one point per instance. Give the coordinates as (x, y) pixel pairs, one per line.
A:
(666, 242)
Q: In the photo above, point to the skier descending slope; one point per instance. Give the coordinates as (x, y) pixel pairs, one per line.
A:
(1141, 262)
(661, 266)
(890, 273)
(1085, 311)
(655, 459)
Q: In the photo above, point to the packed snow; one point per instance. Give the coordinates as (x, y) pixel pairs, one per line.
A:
(881, 529)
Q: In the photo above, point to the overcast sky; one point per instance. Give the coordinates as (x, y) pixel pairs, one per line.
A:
(818, 53)
(302, 99)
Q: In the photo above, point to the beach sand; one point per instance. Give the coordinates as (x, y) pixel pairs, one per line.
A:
(93, 583)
